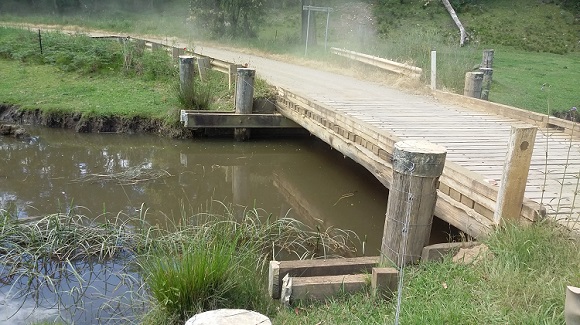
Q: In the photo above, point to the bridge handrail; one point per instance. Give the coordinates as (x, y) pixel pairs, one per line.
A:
(541, 120)
(392, 66)
(465, 198)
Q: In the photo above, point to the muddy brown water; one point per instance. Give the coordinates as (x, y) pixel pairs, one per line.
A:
(59, 170)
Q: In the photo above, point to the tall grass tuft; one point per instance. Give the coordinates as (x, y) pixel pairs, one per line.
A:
(202, 261)
(211, 271)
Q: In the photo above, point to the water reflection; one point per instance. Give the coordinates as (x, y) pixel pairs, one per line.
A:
(82, 292)
(300, 178)
(301, 175)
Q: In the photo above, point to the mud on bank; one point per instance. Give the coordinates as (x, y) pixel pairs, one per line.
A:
(101, 124)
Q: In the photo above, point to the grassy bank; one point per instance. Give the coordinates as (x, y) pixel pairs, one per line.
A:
(522, 281)
(98, 78)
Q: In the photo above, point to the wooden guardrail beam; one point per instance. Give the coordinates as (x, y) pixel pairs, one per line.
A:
(392, 66)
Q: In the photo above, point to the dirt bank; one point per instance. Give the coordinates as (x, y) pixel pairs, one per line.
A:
(13, 114)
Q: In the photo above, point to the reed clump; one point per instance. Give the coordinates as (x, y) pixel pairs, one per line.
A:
(202, 261)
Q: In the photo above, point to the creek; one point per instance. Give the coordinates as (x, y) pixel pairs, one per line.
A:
(60, 170)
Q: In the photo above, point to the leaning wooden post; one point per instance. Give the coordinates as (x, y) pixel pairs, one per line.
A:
(176, 52)
(433, 70)
(473, 81)
(186, 71)
(232, 71)
(203, 65)
(515, 173)
(244, 98)
(156, 46)
(487, 68)
(417, 165)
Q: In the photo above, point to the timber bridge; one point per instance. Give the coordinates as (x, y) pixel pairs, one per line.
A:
(363, 120)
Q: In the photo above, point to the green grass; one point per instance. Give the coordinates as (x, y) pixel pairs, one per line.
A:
(410, 30)
(206, 260)
(33, 86)
(535, 81)
(523, 283)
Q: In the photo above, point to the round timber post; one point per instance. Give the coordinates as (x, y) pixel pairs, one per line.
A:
(186, 71)
(417, 165)
(572, 306)
(244, 98)
(487, 68)
(473, 83)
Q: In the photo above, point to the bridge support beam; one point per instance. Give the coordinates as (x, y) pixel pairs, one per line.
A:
(244, 98)
(417, 165)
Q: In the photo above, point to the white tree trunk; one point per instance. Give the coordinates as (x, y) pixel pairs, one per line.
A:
(457, 22)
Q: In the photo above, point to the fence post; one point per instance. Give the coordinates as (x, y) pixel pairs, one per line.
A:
(515, 173)
(186, 76)
(487, 68)
(473, 82)
(433, 70)
(417, 165)
(244, 98)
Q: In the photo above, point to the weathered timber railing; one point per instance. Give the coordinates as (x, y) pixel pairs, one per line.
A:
(392, 66)
(465, 199)
(541, 120)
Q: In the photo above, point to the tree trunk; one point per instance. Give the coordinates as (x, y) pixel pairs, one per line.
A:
(457, 22)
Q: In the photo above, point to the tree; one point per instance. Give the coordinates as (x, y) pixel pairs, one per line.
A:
(228, 17)
(463, 36)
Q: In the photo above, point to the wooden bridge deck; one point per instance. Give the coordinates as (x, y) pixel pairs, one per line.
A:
(478, 141)
(475, 139)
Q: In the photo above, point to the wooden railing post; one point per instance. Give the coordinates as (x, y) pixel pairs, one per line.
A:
(186, 71)
(417, 165)
(473, 81)
(515, 173)
(244, 98)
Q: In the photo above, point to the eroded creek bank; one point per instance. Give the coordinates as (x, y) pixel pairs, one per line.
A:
(14, 115)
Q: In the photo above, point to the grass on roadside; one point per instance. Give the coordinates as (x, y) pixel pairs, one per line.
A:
(522, 283)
